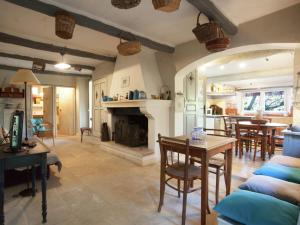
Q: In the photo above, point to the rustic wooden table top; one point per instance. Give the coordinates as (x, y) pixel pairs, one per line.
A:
(210, 143)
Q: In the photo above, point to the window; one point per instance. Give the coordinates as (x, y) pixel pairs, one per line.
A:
(274, 101)
(270, 101)
(251, 101)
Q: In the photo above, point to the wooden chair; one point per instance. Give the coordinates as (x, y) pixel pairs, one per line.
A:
(248, 135)
(172, 169)
(83, 129)
(216, 164)
(228, 125)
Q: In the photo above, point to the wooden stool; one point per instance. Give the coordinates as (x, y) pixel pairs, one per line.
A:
(83, 129)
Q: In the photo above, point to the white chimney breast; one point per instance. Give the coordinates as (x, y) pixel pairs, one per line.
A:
(142, 71)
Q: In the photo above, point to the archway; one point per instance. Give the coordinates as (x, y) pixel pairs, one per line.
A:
(180, 75)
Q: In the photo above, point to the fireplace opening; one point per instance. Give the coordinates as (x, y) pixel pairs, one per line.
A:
(131, 127)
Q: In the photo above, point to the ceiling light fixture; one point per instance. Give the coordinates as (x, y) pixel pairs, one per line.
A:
(202, 68)
(242, 65)
(62, 65)
(222, 67)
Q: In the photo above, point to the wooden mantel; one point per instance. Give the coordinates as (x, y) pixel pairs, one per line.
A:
(141, 103)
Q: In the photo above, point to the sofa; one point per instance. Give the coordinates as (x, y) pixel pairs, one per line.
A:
(291, 144)
(272, 195)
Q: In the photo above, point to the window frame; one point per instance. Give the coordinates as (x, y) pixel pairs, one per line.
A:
(243, 100)
(287, 102)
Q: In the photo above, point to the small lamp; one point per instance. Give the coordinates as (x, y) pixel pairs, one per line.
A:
(26, 77)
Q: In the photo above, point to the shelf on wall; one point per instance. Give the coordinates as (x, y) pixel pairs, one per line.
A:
(220, 94)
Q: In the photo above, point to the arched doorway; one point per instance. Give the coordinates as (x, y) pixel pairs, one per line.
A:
(181, 76)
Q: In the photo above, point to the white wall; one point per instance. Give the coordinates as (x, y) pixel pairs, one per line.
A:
(142, 71)
(296, 107)
(82, 103)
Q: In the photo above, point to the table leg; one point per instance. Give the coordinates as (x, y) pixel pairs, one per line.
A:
(44, 187)
(204, 187)
(272, 143)
(2, 193)
(33, 174)
(228, 172)
(264, 144)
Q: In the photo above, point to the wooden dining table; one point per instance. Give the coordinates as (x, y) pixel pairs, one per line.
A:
(213, 145)
(267, 128)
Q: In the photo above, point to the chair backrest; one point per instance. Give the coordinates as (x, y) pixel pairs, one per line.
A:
(217, 132)
(252, 129)
(169, 147)
(227, 124)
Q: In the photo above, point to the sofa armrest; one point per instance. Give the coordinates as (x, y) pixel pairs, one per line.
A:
(291, 144)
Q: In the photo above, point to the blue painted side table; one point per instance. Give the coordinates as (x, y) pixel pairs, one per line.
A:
(32, 157)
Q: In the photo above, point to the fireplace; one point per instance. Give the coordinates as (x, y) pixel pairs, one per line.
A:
(145, 119)
(131, 127)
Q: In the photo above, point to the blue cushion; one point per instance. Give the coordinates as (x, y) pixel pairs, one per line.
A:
(295, 128)
(252, 208)
(290, 174)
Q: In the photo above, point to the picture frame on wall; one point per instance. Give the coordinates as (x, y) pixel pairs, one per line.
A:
(125, 81)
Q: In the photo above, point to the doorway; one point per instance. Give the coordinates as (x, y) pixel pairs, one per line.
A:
(65, 110)
(42, 103)
(194, 92)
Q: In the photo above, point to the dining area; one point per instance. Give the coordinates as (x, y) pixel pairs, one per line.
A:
(191, 157)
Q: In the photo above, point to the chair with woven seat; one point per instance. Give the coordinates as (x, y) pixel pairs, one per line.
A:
(248, 134)
(216, 164)
(176, 170)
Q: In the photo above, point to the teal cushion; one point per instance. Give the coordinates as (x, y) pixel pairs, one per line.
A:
(278, 171)
(252, 208)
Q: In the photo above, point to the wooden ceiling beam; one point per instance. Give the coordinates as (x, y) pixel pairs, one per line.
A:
(27, 58)
(11, 39)
(93, 24)
(46, 72)
(211, 11)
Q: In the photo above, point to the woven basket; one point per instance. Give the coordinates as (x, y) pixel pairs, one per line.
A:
(221, 43)
(166, 5)
(257, 121)
(206, 32)
(128, 48)
(125, 4)
(64, 24)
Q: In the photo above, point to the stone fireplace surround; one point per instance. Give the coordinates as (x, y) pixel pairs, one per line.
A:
(157, 112)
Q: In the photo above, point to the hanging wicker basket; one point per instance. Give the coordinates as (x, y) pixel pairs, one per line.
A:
(206, 32)
(125, 4)
(219, 44)
(64, 24)
(166, 5)
(127, 48)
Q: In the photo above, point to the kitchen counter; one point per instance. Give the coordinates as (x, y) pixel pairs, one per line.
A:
(235, 116)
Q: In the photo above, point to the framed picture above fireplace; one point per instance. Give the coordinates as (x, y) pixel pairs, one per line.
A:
(125, 81)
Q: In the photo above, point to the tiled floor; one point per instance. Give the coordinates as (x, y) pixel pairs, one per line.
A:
(97, 188)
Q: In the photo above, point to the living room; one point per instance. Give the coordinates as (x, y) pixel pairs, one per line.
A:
(129, 106)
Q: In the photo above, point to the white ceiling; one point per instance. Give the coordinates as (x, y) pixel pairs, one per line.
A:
(169, 28)
(241, 11)
(281, 81)
(245, 71)
(272, 62)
